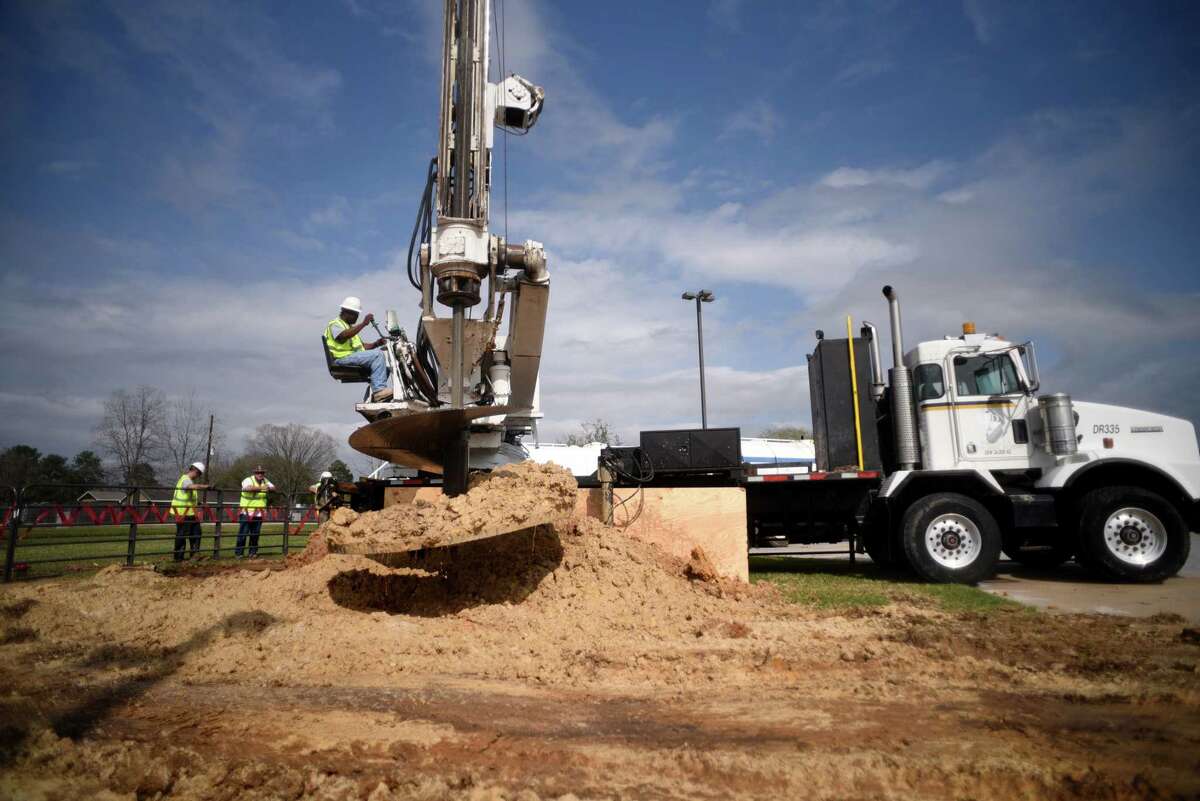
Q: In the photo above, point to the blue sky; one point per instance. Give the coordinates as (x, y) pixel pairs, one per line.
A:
(190, 189)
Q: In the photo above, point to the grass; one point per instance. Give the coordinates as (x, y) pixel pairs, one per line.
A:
(85, 548)
(839, 585)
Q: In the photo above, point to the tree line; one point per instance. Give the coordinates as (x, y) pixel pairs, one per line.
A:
(148, 439)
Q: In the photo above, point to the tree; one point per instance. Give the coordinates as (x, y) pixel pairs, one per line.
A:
(294, 455)
(183, 433)
(25, 466)
(142, 475)
(54, 469)
(19, 465)
(341, 471)
(232, 474)
(86, 468)
(786, 432)
(131, 426)
(594, 431)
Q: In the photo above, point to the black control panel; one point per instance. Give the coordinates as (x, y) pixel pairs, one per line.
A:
(693, 450)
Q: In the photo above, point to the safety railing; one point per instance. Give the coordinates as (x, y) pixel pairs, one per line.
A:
(49, 529)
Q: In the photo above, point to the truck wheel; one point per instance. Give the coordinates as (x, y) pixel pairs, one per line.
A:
(950, 538)
(1056, 550)
(1132, 534)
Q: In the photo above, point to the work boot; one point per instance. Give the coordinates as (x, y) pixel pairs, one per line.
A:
(382, 395)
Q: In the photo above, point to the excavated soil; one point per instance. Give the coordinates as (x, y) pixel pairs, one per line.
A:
(568, 661)
(508, 499)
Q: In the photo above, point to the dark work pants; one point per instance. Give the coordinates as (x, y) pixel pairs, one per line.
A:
(187, 531)
(248, 526)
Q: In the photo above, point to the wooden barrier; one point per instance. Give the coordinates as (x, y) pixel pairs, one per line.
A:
(393, 495)
(678, 519)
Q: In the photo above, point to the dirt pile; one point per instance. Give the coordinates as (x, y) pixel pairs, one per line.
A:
(567, 661)
(508, 499)
(552, 604)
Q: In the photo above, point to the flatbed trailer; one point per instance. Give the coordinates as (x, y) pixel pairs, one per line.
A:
(953, 459)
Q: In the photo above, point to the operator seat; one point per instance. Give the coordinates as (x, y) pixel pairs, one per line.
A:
(343, 373)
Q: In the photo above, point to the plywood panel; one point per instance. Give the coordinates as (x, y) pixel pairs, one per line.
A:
(393, 495)
(677, 519)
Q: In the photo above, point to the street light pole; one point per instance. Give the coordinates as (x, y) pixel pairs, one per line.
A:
(703, 296)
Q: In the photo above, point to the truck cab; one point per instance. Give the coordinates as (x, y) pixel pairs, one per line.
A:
(972, 395)
(977, 408)
(1116, 488)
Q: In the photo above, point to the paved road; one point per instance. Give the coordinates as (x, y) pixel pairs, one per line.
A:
(1070, 589)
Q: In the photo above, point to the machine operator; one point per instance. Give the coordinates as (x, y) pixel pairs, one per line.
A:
(348, 350)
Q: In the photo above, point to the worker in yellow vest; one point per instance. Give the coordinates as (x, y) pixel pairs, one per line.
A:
(348, 350)
(251, 506)
(185, 508)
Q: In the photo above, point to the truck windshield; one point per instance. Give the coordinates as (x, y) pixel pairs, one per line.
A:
(985, 375)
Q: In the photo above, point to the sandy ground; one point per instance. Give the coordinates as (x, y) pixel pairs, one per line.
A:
(571, 662)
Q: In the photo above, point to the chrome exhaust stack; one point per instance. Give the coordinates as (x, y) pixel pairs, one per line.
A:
(872, 333)
(904, 416)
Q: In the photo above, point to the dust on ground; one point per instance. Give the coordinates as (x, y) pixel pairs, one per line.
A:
(570, 661)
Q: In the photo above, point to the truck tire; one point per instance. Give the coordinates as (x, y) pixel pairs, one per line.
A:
(1017, 546)
(1131, 534)
(950, 538)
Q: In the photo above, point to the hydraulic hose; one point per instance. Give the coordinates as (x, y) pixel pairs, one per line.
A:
(422, 226)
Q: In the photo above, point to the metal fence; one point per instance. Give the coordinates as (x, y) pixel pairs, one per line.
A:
(48, 529)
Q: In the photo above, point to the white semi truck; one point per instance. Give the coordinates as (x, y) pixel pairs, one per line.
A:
(959, 456)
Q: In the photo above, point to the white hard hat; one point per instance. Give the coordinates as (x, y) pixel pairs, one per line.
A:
(327, 474)
(352, 304)
(199, 466)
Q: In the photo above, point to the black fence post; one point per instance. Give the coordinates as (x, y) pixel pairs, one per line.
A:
(10, 550)
(131, 550)
(217, 527)
(287, 514)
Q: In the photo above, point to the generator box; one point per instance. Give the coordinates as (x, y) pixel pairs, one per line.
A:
(693, 450)
(832, 398)
(626, 460)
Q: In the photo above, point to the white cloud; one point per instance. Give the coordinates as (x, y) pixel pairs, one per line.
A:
(299, 242)
(917, 178)
(68, 168)
(863, 70)
(981, 21)
(248, 93)
(757, 118)
(956, 196)
(333, 214)
(726, 14)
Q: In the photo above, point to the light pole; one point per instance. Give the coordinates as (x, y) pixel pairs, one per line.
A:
(703, 296)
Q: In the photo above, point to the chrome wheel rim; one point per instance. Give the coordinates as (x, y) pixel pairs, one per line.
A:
(1135, 536)
(953, 540)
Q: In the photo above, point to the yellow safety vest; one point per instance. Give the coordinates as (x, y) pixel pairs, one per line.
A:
(183, 503)
(339, 349)
(254, 500)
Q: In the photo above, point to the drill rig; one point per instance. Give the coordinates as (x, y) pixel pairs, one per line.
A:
(463, 392)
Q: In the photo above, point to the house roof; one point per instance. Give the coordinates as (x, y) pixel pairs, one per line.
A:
(104, 496)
